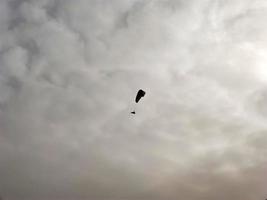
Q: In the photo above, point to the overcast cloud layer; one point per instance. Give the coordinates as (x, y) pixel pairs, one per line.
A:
(69, 73)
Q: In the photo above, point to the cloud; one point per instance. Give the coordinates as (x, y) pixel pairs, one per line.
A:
(69, 73)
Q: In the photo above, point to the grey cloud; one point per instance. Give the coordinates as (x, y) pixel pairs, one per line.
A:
(69, 72)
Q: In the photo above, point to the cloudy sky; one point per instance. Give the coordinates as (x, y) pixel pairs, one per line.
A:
(69, 73)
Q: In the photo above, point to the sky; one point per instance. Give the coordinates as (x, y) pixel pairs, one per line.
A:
(69, 73)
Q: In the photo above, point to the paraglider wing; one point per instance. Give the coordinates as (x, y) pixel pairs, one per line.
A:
(139, 95)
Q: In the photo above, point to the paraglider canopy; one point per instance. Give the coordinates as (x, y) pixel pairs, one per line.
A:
(139, 95)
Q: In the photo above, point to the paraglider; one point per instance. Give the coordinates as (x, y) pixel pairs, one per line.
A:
(141, 93)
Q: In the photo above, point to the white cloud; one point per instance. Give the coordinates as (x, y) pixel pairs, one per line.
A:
(69, 72)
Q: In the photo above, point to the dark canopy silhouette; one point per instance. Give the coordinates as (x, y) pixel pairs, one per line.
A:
(139, 95)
